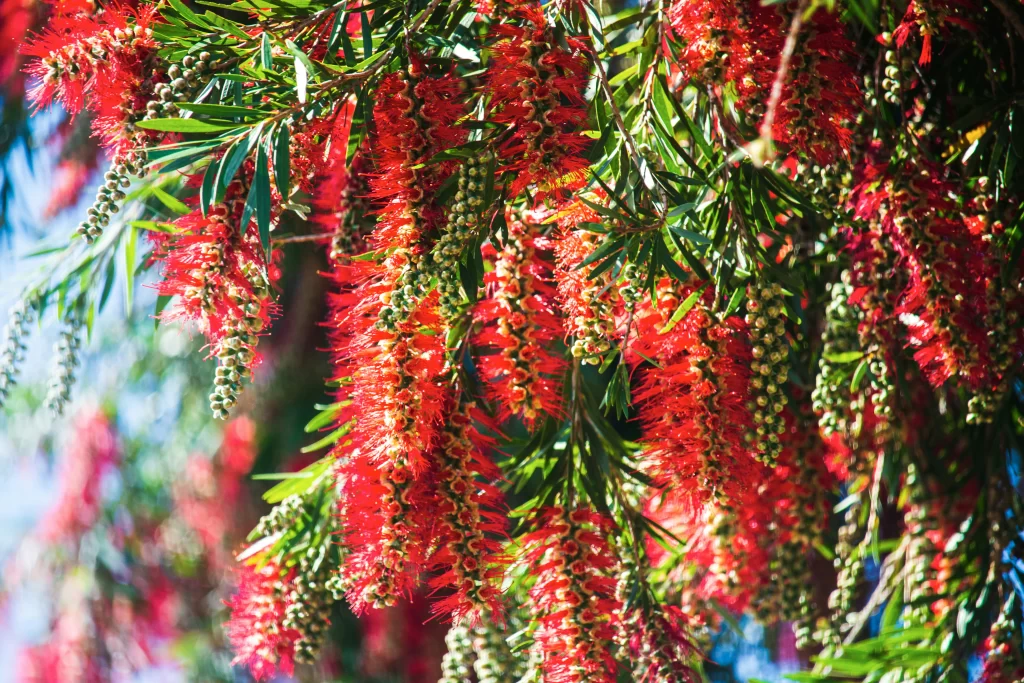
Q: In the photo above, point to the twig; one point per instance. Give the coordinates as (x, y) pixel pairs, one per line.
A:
(782, 73)
(882, 592)
(301, 238)
(1011, 16)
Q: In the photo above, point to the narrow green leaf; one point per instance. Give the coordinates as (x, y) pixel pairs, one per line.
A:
(282, 161)
(858, 375)
(261, 186)
(171, 202)
(266, 52)
(131, 244)
(188, 125)
(683, 309)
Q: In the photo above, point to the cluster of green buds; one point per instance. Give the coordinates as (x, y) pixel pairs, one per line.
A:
(457, 663)
(918, 521)
(65, 361)
(280, 517)
(495, 661)
(765, 313)
(594, 327)
(314, 590)
(237, 350)
(892, 82)
(463, 225)
(849, 564)
(1004, 652)
(13, 352)
(632, 289)
(111, 193)
(183, 82)
(831, 398)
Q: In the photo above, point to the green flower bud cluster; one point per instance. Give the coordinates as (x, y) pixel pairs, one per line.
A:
(280, 517)
(111, 193)
(62, 377)
(849, 564)
(495, 662)
(463, 225)
(237, 351)
(457, 663)
(769, 370)
(831, 398)
(918, 519)
(183, 82)
(12, 354)
(595, 327)
(632, 289)
(312, 596)
(892, 84)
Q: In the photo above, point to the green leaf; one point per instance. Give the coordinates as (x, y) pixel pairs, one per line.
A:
(261, 186)
(233, 159)
(130, 246)
(326, 415)
(266, 53)
(858, 375)
(328, 440)
(282, 161)
(188, 125)
(208, 190)
(844, 357)
(171, 202)
(683, 309)
(220, 110)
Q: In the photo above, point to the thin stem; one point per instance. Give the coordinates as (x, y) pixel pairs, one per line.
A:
(782, 73)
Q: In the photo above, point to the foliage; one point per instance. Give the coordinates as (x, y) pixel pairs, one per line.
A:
(679, 283)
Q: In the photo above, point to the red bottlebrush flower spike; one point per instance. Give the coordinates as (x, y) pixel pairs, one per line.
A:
(216, 270)
(255, 628)
(573, 599)
(694, 407)
(536, 89)
(470, 548)
(415, 118)
(393, 378)
(98, 62)
(590, 304)
(821, 95)
(930, 18)
(949, 302)
(716, 40)
(339, 201)
(91, 454)
(520, 324)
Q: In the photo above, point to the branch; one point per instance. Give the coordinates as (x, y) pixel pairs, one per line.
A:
(781, 75)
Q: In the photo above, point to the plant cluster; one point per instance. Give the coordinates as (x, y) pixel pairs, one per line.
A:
(684, 286)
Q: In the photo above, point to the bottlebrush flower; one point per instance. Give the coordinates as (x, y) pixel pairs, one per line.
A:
(339, 200)
(716, 40)
(91, 454)
(215, 267)
(415, 117)
(741, 43)
(97, 62)
(929, 18)
(520, 324)
(393, 379)
(573, 598)
(72, 177)
(255, 628)
(693, 407)
(536, 88)
(654, 635)
(469, 548)
(821, 96)
(590, 304)
(951, 271)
